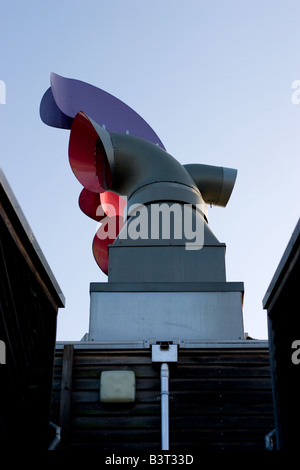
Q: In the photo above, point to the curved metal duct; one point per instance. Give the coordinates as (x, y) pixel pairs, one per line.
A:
(214, 182)
(127, 165)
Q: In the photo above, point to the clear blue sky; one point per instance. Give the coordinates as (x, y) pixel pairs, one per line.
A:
(214, 80)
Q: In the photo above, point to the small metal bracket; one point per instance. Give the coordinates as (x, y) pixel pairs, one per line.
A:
(164, 351)
(270, 440)
(170, 397)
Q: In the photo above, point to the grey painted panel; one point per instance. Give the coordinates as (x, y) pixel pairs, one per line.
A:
(166, 264)
(167, 287)
(166, 316)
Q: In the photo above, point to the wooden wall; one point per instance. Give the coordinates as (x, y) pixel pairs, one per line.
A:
(282, 304)
(29, 301)
(220, 399)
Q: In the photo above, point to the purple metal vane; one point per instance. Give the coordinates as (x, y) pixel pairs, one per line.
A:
(66, 97)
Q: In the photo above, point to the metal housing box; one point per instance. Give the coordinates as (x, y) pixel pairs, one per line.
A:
(159, 312)
(167, 353)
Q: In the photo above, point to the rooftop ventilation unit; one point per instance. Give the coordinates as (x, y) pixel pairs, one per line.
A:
(165, 267)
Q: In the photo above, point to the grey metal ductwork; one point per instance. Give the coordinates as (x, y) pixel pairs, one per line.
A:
(136, 164)
(148, 175)
(165, 288)
(145, 173)
(151, 180)
(214, 182)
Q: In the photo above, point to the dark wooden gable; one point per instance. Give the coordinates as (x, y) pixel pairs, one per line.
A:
(220, 398)
(29, 302)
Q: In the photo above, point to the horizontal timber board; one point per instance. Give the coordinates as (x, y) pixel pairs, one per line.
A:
(146, 435)
(189, 397)
(195, 422)
(179, 384)
(179, 409)
(180, 371)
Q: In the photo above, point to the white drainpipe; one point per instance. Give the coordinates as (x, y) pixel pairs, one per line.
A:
(164, 352)
(164, 400)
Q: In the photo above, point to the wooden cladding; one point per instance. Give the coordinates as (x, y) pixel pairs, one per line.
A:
(28, 309)
(219, 399)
